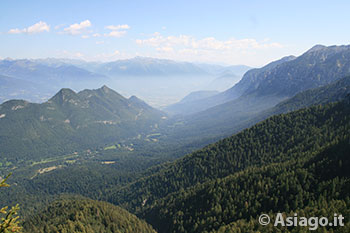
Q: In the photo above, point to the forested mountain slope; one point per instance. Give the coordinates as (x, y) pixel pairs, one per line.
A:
(277, 139)
(314, 183)
(84, 215)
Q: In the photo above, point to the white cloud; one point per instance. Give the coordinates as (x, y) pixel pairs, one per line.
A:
(36, 28)
(116, 52)
(101, 57)
(79, 55)
(165, 49)
(77, 28)
(85, 36)
(209, 43)
(58, 26)
(16, 31)
(117, 30)
(117, 27)
(209, 49)
(96, 35)
(100, 42)
(115, 33)
(111, 56)
(72, 55)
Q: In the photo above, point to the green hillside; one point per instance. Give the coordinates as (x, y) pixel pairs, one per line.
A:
(276, 140)
(84, 215)
(70, 122)
(315, 184)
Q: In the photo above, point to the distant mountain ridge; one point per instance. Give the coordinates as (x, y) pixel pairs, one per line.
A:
(241, 113)
(253, 77)
(284, 78)
(136, 76)
(188, 100)
(40, 73)
(253, 106)
(225, 81)
(198, 95)
(13, 88)
(72, 121)
(145, 66)
(231, 93)
(219, 70)
(35, 80)
(318, 66)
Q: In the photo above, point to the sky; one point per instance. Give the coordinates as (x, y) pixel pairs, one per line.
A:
(231, 32)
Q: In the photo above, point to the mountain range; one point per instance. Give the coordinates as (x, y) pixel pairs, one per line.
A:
(13, 88)
(87, 112)
(144, 66)
(249, 100)
(282, 78)
(35, 80)
(276, 142)
(43, 74)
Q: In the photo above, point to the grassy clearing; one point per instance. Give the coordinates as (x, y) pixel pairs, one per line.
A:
(110, 147)
(54, 159)
(153, 135)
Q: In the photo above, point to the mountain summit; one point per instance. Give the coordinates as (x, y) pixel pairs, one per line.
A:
(316, 48)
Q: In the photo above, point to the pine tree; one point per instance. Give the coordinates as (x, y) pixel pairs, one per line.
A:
(9, 223)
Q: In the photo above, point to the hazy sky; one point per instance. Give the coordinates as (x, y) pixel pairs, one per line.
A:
(226, 32)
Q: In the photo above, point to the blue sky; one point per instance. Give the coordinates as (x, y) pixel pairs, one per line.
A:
(224, 32)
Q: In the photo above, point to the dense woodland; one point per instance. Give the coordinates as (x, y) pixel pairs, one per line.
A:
(317, 183)
(277, 139)
(84, 215)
